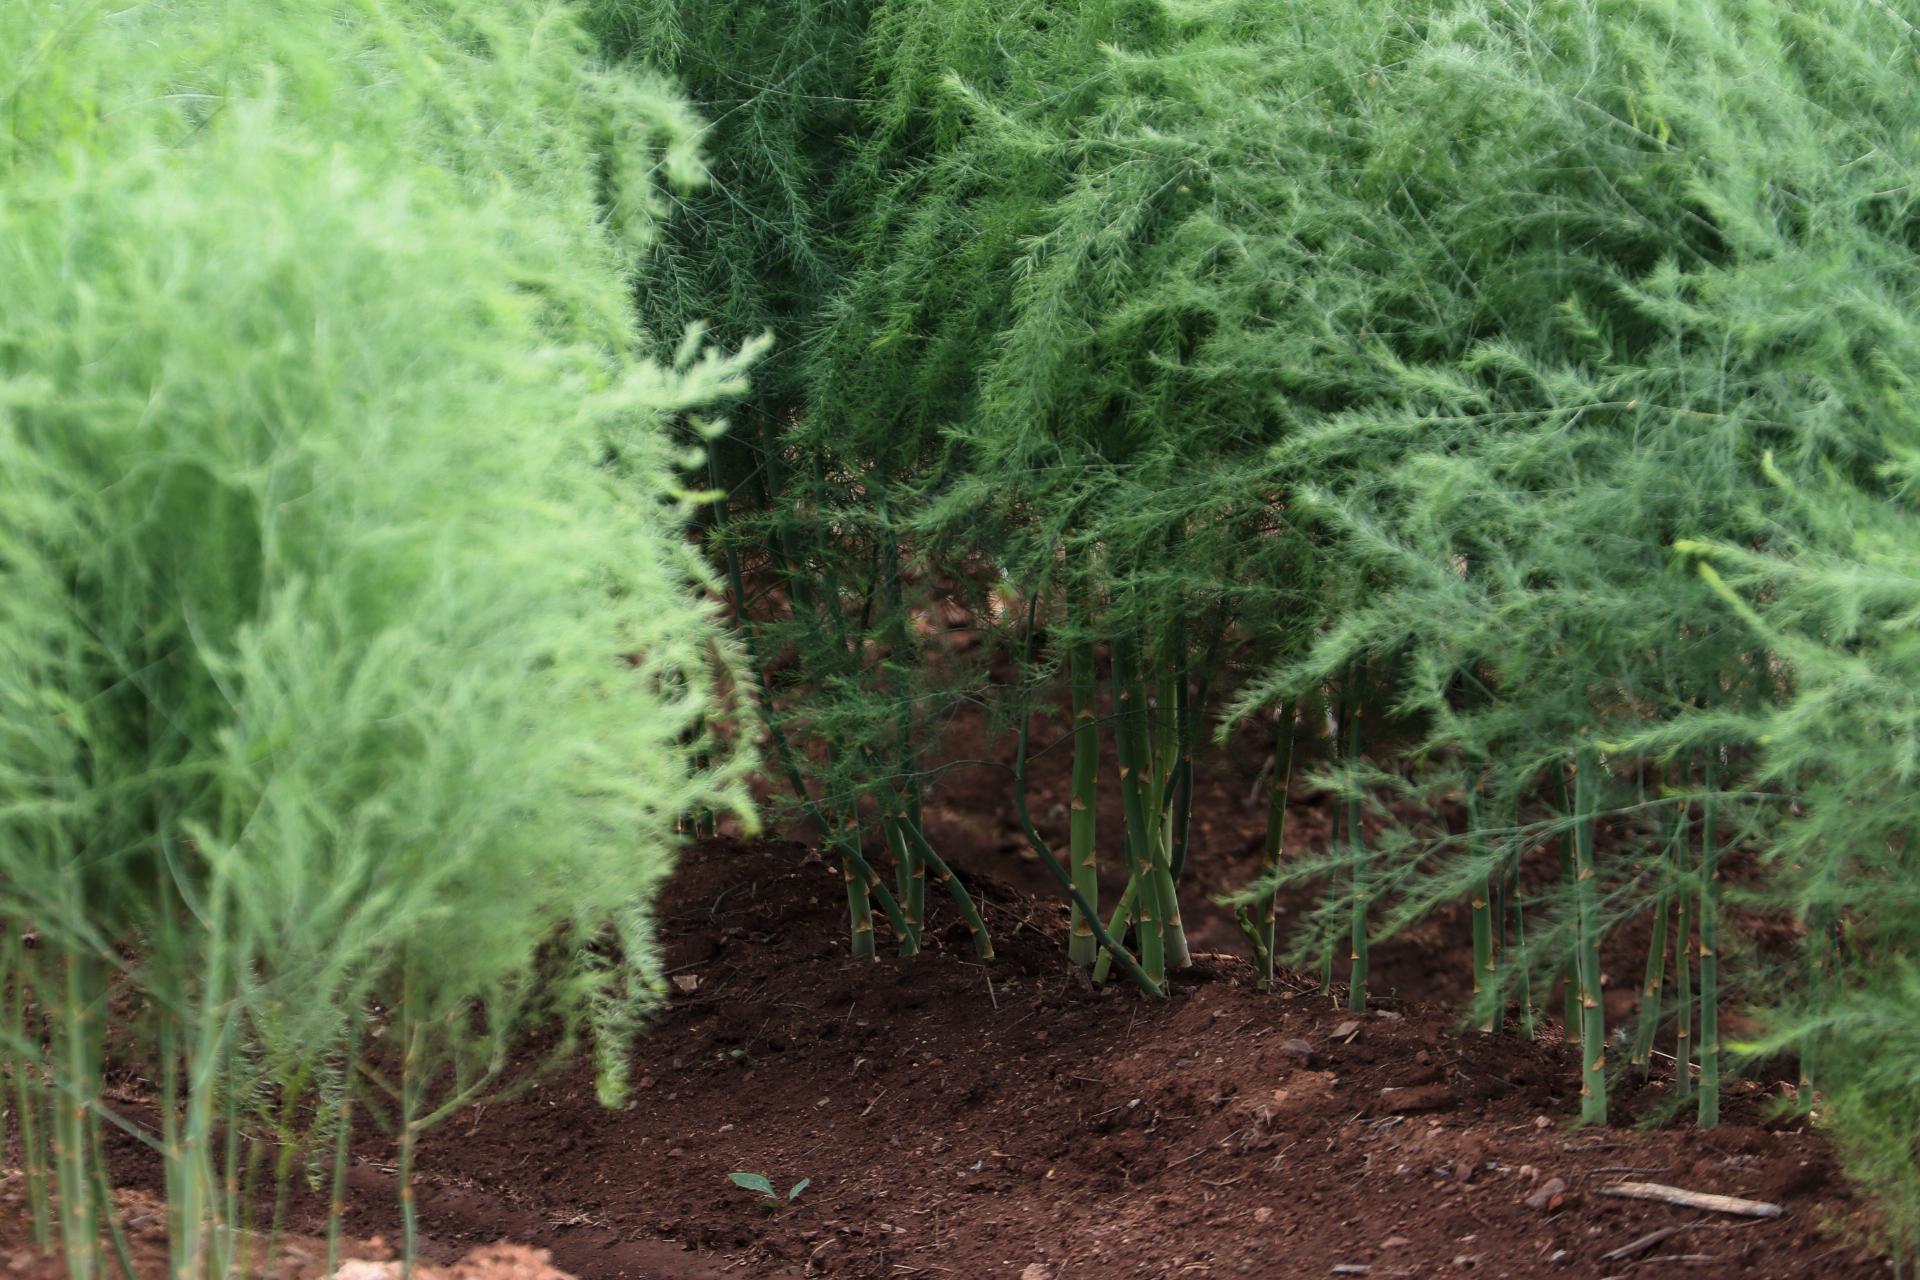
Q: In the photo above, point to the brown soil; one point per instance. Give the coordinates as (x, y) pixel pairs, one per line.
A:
(960, 1119)
(141, 1219)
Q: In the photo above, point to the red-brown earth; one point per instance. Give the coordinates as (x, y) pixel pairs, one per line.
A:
(955, 1118)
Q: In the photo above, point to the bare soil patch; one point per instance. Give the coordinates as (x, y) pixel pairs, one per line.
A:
(960, 1119)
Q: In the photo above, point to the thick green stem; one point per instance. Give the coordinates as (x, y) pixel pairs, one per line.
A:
(1149, 907)
(1655, 979)
(912, 888)
(1116, 928)
(1163, 770)
(73, 1088)
(1082, 855)
(859, 903)
(104, 1208)
(410, 1087)
(860, 942)
(1709, 1114)
(342, 1149)
(1180, 821)
(203, 1241)
(1823, 957)
(982, 942)
(1062, 877)
(911, 873)
(1356, 846)
(1593, 1032)
(1683, 980)
(1524, 973)
(1273, 850)
(1570, 1019)
(914, 905)
(233, 1222)
(1336, 828)
(1486, 977)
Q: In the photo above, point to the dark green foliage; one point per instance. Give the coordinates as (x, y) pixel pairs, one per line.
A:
(1402, 356)
(837, 587)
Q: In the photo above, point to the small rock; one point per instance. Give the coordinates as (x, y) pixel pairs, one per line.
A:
(1541, 1122)
(1263, 1214)
(1395, 1242)
(1036, 1271)
(1299, 1049)
(1551, 1195)
(1347, 1029)
(1467, 1163)
(1465, 1261)
(687, 982)
(359, 1269)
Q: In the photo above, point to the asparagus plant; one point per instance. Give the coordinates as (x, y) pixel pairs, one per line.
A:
(353, 649)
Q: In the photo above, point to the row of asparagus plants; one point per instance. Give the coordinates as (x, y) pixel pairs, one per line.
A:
(353, 656)
(1520, 390)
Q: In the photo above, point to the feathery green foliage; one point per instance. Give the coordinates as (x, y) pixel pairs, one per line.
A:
(349, 645)
(1376, 356)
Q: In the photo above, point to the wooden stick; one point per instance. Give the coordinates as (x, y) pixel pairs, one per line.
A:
(1643, 1244)
(1693, 1199)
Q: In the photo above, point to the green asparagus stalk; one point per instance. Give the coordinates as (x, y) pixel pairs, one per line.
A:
(1570, 1019)
(1116, 928)
(1485, 974)
(1277, 786)
(1683, 980)
(982, 942)
(1082, 856)
(1149, 914)
(1709, 1113)
(1654, 982)
(1529, 1022)
(1356, 844)
(1593, 1032)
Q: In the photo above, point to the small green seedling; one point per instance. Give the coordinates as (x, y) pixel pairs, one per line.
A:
(761, 1183)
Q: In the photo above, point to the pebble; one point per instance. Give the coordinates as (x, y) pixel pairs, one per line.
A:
(1551, 1195)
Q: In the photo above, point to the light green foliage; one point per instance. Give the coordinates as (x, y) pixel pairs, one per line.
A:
(1835, 602)
(349, 647)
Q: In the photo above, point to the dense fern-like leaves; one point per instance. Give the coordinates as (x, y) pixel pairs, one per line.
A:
(350, 648)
